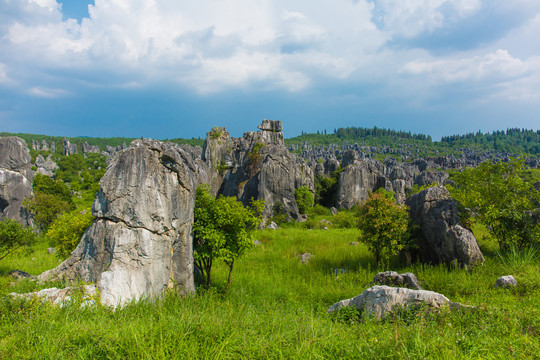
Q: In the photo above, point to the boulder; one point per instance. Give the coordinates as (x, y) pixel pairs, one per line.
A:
(60, 297)
(380, 301)
(392, 278)
(271, 125)
(359, 179)
(19, 275)
(140, 242)
(506, 282)
(16, 178)
(441, 237)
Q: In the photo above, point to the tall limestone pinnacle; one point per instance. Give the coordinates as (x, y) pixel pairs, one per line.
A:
(141, 242)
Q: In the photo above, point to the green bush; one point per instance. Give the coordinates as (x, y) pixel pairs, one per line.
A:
(385, 226)
(304, 199)
(14, 236)
(66, 231)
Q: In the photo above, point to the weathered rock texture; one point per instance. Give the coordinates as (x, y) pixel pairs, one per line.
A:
(507, 281)
(380, 301)
(141, 241)
(15, 179)
(442, 238)
(392, 278)
(88, 295)
(69, 148)
(45, 167)
(257, 166)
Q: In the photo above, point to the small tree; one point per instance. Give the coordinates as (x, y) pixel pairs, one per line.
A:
(222, 228)
(66, 231)
(14, 236)
(385, 226)
(501, 196)
(304, 199)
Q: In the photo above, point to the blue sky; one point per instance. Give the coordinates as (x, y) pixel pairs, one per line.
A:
(170, 68)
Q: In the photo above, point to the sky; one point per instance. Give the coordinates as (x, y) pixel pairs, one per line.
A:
(176, 68)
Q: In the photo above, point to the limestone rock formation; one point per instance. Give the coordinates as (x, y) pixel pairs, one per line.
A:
(359, 179)
(140, 242)
(16, 178)
(392, 278)
(379, 301)
(90, 149)
(69, 148)
(62, 296)
(442, 238)
(45, 167)
(257, 166)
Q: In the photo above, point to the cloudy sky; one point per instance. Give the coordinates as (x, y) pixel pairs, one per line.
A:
(175, 68)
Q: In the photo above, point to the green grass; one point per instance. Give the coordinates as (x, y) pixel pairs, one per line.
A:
(276, 308)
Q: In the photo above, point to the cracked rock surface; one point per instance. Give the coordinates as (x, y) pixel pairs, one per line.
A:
(141, 241)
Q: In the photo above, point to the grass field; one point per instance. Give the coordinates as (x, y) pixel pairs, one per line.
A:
(277, 308)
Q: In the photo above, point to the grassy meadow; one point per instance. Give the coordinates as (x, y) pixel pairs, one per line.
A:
(277, 308)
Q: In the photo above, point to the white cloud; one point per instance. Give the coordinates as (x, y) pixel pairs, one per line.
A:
(509, 77)
(408, 18)
(47, 93)
(3, 73)
(211, 45)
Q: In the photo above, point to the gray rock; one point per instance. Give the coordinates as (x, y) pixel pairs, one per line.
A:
(61, 297)
(442, 238)
(506, 282)
(19, 275)
(305, 257)
(257, 243)
(334, 211)
(379, 301)
(51, 250)
(45, 167)
(392, 278)
(141, 239)
(256, 166)
(16, 178)
(271, 125)
(69, 148)
(324, 221)
(272, 226)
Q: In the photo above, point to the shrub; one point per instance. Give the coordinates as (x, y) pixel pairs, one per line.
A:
(14, 236)
(385, 226)
(66, 231)
(304, 199)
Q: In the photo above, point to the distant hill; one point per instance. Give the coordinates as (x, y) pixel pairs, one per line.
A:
(514, 140)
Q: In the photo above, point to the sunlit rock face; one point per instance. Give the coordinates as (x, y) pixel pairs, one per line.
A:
(140, 242)
(442, 238)
(15, 179)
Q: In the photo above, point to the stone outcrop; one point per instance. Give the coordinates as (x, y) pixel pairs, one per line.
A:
(257, 166)
(90, 149)
(140, 242)
(69, 148)
(45, 167)
(88, 295)
(506, 282)
(442, 238)
(392, 278)
(16, 178)
(380, 301)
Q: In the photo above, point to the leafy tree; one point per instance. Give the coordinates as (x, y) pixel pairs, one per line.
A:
(385, 226)
(304, 199)
(45, 185)
(45, 208)
(14, 236)
(222, 228)
(501, 196)
(66, 231)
